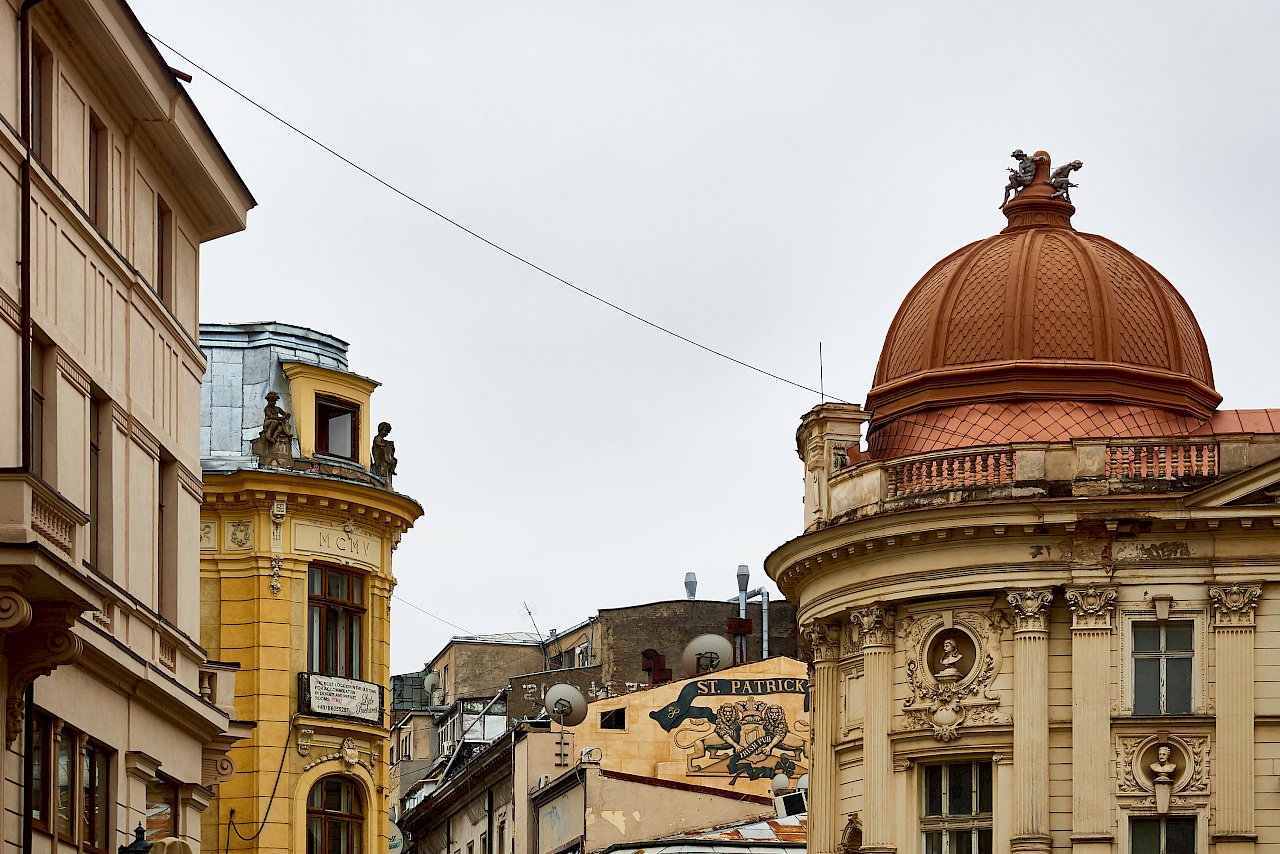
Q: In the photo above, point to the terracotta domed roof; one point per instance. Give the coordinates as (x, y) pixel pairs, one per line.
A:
(1073, 322)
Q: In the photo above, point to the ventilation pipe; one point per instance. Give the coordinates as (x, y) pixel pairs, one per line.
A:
(744, 575)
(764, 623)
(690, 584)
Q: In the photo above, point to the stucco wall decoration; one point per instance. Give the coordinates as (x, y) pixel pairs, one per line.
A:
(953, 657)
(741, 731)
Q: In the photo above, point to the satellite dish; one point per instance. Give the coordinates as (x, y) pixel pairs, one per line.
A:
(430, 681)
(565, 704)
(803, 783)
(780, 783)
(706, 653)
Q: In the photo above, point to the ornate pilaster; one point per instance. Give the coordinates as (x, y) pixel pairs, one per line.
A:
(823, 641)
(1233, 628)
(1091, 610)
(875, 625)
(1030, 719)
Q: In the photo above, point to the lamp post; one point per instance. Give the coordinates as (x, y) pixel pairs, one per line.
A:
(139, 845)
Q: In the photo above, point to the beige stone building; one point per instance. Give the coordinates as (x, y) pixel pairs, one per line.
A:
(297, 532)
(110, 182)
(1041, 604)
(676, 758)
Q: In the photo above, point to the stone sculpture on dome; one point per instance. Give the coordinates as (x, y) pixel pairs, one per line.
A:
(1021, 176)
(1060, 180)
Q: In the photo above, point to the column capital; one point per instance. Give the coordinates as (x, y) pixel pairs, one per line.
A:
(1091, 606)
(823, 640)
(875, 624)
(1234, 606)
(1030, 609)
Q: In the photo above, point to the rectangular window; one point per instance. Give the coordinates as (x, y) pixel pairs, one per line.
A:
(1171, 835)
(613, 719)
(97, 172)
(1162, 666)
(957, 811)
(37, 408)
(64, 789)
(167, 538)
(95, 480)
(96, 777)
(502, 837)
(162, 810)
(471, 848)
(39, 762)
(337, 428)
(41, 101)
(335, 613)
(164, 251)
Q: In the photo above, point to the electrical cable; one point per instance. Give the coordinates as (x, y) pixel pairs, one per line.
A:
(433, 616)
(231, 816)
(393, 188)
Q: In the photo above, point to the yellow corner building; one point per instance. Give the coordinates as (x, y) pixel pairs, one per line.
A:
(297, 531)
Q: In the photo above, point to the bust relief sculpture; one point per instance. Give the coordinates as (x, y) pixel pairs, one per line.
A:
(951, 656)
(1163, 769)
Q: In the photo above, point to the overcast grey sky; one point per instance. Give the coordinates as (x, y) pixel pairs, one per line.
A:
(758, 176)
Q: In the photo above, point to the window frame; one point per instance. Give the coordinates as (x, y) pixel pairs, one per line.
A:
(41, 101)
(616, 719)
(42, 728)
(1144, 612)
(324, 604)
(1163, 656)
(1163, 822)
(68, 735)
(337, 405)
(353, 821)
(92, 784)
(945, 822)
(162, 282)
(97, 184)
(171, 786)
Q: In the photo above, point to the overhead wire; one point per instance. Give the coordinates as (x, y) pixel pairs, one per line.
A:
(520, 258)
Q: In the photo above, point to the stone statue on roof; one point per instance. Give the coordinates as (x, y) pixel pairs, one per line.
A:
(1060, 180)
(1021, 176)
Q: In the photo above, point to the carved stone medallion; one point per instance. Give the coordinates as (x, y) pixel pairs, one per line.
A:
(953, 659)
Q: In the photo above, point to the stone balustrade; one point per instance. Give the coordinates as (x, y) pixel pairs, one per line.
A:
(1052, 470)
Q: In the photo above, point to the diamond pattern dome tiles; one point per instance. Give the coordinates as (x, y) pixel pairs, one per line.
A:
(1043, 322)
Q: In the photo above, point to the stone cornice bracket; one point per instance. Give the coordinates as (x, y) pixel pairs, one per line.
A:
(1030, 610)
(1091, 606)
(875, 624)
(1235, 606)
(37, 651)
(15, 610)
(823, 640)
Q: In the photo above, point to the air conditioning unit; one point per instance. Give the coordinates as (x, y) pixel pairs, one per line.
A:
(446, 749)
(792, 803)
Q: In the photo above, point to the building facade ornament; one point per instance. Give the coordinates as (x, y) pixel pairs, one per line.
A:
(1234, 606)
(953, 659)
(875, 625)
(823, 639)
(347, 754)
(276, 565)
(240, 534)
(1021, 176)
(304, 740)
(46, 644)
(1139, 764)
(384, 454)
(1030, 609)
(1060, 180)
(274, 445)
(1091, 607)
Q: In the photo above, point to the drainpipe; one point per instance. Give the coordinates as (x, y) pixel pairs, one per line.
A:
(488, 808)
(24, 262)
(28, 744)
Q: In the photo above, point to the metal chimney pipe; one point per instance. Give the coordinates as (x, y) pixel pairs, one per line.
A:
(690, 584)
(744, 575)
(764, 623)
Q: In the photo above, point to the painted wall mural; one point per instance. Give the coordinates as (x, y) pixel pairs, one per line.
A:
(739, 728)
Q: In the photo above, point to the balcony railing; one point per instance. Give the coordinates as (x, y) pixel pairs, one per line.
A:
(987, 467)
(1183, 459)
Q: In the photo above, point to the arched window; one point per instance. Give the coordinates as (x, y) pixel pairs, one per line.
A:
(335, 817)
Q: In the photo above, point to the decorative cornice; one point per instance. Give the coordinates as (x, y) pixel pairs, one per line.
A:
(1235, 606)
(1091, 606)
(1030, 610)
